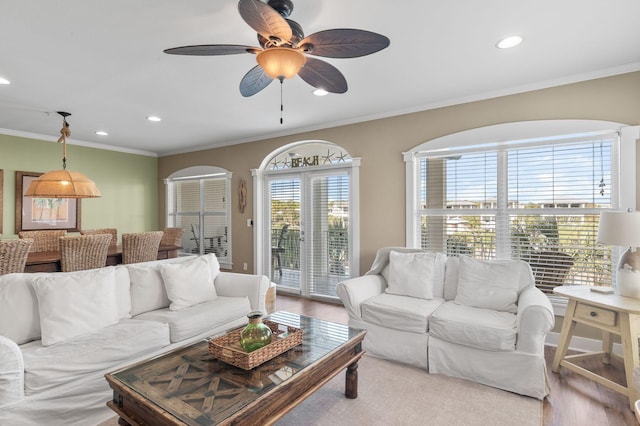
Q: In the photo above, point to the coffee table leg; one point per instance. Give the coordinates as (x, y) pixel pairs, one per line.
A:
(351, 381)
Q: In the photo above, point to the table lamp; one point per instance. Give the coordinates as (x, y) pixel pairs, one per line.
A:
(623, 229)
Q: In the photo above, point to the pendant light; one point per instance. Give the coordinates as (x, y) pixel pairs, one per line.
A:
(63, 183)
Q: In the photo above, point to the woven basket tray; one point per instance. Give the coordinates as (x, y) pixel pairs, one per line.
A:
(227, 348)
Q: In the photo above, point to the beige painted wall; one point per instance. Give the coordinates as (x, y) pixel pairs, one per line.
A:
(380, 144)
(128, 182)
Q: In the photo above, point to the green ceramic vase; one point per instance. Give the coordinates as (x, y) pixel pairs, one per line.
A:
(256, 334)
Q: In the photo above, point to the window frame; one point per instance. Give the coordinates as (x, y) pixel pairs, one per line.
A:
(523, 133)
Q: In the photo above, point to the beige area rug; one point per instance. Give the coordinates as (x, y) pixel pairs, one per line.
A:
(394, 394)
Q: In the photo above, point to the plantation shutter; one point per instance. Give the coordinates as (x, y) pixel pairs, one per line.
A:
(539, 202)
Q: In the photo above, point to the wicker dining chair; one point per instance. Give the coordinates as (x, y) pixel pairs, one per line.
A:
(46, 240)
(82, 252)
(172, 237)
(140, 246)
(112, 231)
(13, 255)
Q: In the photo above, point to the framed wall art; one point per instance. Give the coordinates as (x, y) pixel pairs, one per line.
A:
(44, 213)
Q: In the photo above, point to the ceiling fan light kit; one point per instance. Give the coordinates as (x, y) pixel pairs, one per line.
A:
(285, 51)
(281, 62)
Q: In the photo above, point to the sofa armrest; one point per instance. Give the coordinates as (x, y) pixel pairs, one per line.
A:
(11, 372)
(233, 284)
(534, 320)
(356, 290)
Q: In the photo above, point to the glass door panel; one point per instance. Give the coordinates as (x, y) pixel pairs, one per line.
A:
(285, 232)
(328, 233)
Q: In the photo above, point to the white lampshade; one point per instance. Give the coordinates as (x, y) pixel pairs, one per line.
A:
(619, 228)
(623, 229)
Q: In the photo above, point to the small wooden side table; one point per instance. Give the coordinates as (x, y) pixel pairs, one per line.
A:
(611, 313)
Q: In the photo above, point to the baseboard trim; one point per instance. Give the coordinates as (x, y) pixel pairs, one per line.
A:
(581, 344)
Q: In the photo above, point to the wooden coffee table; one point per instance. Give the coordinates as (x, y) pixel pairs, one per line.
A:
(187, 386)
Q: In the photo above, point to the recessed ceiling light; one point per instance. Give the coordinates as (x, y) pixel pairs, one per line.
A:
(154, 118)
(320, 92)
(509, 42)
(102, 133)
(4, 81)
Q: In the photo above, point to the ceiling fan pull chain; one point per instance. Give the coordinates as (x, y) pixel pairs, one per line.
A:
(281, 103)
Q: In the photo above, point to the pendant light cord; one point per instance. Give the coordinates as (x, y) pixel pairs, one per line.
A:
(281, 103)
(64, 134)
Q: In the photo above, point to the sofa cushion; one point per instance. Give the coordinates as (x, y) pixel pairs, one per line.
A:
(399, 312)
(197, 319)
(19, 317)
(490, 284)
(49, 366)
(415, 274)
(188, 283)
(480, 328)
(75, 303)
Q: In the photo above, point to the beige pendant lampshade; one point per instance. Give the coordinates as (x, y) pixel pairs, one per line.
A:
(281, 62)
(63, 183)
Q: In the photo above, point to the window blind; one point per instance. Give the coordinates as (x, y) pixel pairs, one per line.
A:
(200, 206)
(540, 203)
(329, 248)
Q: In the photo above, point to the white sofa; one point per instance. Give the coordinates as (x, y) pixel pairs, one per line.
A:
(483, 321)
(61, 332)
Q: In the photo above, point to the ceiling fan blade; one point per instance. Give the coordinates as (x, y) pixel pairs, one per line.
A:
(254, 81)
(323, 75)
(264, 19)
(344, 43)
(212, 50)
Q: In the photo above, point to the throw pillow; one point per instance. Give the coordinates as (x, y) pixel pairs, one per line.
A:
(188, 283)
(19, 318)
(147, 288)
(414, 274)
(213, 264)
(489, 284)
(72, 304)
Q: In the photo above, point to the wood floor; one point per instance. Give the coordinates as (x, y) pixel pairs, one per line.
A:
(574, 400)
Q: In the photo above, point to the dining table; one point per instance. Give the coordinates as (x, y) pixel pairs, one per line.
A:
(49, 261)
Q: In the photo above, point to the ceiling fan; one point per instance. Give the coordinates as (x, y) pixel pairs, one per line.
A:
(284, 48)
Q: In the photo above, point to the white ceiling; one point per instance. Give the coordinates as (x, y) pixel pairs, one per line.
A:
(104, 63)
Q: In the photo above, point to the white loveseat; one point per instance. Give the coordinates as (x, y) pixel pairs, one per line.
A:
(483, 321)
(61, 332)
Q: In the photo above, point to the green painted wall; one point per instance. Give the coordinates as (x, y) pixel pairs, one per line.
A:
(128, 182)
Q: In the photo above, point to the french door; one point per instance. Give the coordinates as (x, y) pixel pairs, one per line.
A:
(309, 231)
